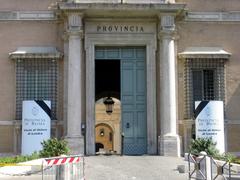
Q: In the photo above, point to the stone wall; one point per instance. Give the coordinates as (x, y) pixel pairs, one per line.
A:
(6, 140)
(125, 1)
(14, 34)
(26, 5)
(211, 5)
(214, 34)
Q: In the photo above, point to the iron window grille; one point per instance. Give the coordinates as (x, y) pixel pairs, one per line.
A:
(204, 80)
(36, 79)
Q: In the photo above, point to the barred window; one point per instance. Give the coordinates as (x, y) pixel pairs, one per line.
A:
(204, 80)
(203, 84)
(36, 79)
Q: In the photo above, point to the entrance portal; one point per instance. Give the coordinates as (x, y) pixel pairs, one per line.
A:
(130, 87)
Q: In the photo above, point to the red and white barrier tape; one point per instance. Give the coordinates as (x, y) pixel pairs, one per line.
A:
(62, 160)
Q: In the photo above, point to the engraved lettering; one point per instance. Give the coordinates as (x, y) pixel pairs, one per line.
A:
(136, 28)
(110, 28)
(98, 28)
(120, 28)
(132, 28)
(104, 28)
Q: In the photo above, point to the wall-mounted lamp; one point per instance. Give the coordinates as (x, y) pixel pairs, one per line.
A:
(109, 103)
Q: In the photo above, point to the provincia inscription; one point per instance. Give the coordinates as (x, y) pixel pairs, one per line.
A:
(120, 28)
(209, 121)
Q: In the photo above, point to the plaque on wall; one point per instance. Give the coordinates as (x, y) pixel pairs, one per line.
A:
(36, 125)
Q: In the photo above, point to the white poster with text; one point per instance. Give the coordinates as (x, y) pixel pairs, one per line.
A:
(209, 119)
(36, 119)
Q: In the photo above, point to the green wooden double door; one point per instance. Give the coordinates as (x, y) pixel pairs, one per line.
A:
(133, 95)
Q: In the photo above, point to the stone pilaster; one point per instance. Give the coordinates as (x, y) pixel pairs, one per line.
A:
(169, 142)
(17, 137)
(74, 83)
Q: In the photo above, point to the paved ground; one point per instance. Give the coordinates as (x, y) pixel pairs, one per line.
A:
(133, 167)
(125, 168)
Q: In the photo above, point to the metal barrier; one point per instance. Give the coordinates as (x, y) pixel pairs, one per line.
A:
(205, 167)
(198, 172)
(63, 168)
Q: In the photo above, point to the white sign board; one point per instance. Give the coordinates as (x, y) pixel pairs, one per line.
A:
(210, 122)
(35, 125)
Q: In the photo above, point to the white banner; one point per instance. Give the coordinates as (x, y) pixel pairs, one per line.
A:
(35, 125)
(210, 122)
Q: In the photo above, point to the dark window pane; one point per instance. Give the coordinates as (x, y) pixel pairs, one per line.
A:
(197, 85)
(208, 76)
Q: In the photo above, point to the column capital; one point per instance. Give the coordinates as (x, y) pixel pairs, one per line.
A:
(74, 26)
(167, 35)
(167, 27)
(167, 22)
(74, 33)
(75, 21)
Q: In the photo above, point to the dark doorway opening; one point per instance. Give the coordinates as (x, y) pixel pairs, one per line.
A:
(107, 85)
(99, 146)
(107, 79)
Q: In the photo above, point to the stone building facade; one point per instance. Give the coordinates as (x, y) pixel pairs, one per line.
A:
(161, 52)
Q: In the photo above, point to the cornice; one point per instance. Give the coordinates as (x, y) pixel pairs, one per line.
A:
(204, 52)
(35, 56)
(204, 56)
(232, 16)
(34, 52)
(163, 7)
(27, 15)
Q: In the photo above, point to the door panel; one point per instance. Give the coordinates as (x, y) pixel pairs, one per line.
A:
(133, 84)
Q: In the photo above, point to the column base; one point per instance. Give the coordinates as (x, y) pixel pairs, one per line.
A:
(76, 145)
(169, 145)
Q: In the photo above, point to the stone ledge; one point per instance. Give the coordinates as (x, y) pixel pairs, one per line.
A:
(19, 122)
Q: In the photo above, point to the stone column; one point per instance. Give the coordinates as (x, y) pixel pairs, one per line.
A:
(74, 84)
(169, 140)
